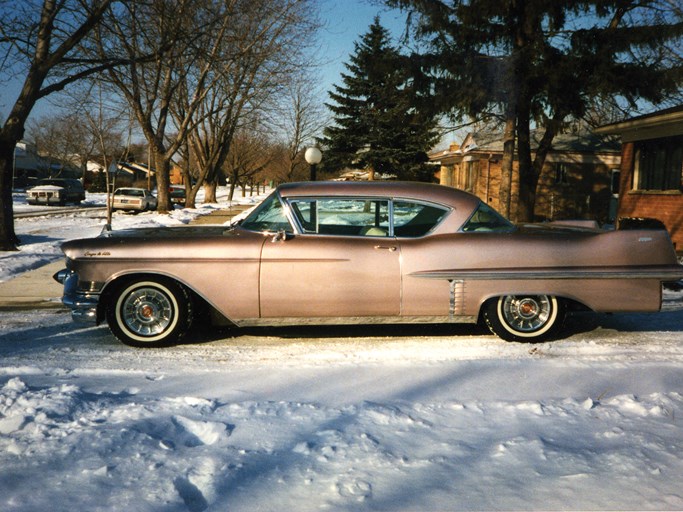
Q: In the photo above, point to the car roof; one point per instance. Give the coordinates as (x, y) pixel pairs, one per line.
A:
(391, 189)
(461, 203)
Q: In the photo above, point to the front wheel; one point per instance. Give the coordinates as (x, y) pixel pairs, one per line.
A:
(525, 317)
(149, 312)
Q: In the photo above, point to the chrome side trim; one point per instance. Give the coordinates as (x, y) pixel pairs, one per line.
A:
(356, 320)
(457, 297)
(663, 272)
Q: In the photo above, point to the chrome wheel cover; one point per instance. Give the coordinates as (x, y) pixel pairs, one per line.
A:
(146, 312)
(527, 314)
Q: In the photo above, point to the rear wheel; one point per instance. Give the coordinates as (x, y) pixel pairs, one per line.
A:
(525, 317)
(149, 312)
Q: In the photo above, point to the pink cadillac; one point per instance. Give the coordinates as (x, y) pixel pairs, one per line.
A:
(363, 253)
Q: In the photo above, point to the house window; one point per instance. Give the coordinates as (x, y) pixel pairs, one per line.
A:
(561, 174)
(659, 164)
(469, 175)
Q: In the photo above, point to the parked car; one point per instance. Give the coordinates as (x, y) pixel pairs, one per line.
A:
(136, 199)
(56, 191)
(363, 252)
(177, 193)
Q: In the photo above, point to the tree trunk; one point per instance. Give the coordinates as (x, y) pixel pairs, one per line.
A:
(162, 166)
(8, 238)
(210, 192)
(507, 166)
(545, 145)
(527, 178)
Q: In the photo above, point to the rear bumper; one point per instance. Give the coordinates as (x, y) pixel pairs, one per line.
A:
(45, 200)
(83, 304)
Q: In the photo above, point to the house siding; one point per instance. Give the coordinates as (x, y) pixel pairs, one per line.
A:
(584, 194)
(666, 207)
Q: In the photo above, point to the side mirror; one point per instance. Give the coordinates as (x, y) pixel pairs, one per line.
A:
(280, 236)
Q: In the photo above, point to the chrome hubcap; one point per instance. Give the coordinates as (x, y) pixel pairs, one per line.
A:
(147, 312)
(527, 314)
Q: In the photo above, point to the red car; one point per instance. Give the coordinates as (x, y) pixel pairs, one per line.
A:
(364, 252)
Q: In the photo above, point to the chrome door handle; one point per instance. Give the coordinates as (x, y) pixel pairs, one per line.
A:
(391, 248)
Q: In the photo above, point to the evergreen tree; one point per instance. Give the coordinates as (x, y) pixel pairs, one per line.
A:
(542, 63)
(380, 124)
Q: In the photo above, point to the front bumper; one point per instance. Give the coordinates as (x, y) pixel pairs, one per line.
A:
(83, 303)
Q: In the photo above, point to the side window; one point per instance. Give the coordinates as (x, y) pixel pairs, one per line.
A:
(268, 216)
(340, 216)
(416, 219)
(486, 218)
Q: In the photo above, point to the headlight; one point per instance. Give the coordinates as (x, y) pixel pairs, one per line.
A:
(61, 276)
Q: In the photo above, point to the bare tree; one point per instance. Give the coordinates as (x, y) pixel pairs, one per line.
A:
(44, 41)
(261, 54)
(249, 155)
(186, 37)
(302, 118)
(64, 137)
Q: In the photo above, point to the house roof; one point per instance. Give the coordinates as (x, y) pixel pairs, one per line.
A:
(492, 142)
(667, 122)
(130, 168)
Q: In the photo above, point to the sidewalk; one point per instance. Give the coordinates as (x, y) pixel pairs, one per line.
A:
(32, 290)
(36, 289)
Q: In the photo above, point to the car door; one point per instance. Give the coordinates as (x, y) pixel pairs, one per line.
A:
(342, 264)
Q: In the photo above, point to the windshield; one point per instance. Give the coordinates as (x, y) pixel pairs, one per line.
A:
(268, 216)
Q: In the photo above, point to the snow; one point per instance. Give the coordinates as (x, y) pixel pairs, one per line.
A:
(348, 418)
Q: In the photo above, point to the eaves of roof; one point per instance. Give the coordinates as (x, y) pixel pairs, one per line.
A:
(671, 117)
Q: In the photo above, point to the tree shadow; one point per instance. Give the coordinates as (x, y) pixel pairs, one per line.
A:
(31, 239)
(582, 323)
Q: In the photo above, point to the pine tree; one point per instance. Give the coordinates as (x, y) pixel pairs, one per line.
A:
(543, 63)
(379, 122)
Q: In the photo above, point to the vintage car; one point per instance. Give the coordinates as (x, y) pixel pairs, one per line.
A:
(363, 253)
(56, 191)
(133, 199)
(177, 194)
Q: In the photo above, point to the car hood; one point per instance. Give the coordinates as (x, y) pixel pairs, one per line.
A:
(156, 243)
(168, 232)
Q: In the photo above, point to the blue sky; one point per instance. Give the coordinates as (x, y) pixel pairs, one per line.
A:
(344, 22)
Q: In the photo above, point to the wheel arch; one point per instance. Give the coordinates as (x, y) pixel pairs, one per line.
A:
(571, 303)
(119, 280)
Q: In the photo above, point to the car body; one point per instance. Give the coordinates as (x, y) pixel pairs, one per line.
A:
(177, 194)
(56, 191)
(363, 252)
(133, 199)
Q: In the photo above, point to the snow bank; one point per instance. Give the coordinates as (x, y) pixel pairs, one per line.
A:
(67, 449)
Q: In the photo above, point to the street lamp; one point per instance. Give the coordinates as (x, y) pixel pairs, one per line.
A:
(313, 156)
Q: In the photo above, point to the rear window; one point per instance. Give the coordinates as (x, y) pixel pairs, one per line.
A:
(130, 192)
(485, 219)
(413, 219)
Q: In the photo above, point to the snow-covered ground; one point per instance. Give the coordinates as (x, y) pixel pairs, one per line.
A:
(352, 418)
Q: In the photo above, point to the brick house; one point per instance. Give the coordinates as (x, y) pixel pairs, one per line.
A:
(651, 184)
(576, 181)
